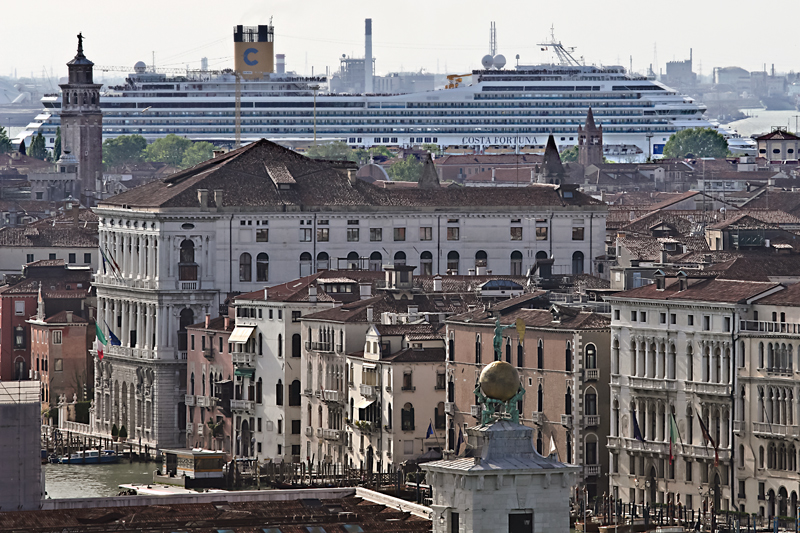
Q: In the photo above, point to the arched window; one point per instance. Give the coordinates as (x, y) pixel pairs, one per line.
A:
(438, 416)
(187, 268)
(568, 402)
(577, 263)
(323, 261)
(672, 363)
(516, 263)
(568, 357)
(389, 419)
(520, 355)
(259, 390)
(296, 343)
(539, 399)
(451, 347)
(279, 393)
(615, 356)
(615, 422)
(478, 348)
(186, 319)
(540, 355)
(294, 393)
(590, 402)
(481, 259)
(760, 355)
(305, 264)
(262, 267)
(426, 263)
(689, 363)
(569, 448)
(375, 261)
(761, 457)
(352, 261)
(245, 267)
(591, 356)
(407, 417)
(452, 262)
(400, 258)
(741, 354)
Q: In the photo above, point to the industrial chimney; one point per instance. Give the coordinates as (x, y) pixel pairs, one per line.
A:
(368, 56)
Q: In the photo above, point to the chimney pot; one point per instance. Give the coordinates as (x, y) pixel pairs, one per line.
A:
(202, 197)
(370, 312)
(351, 176)
(69, 316)
(208, 321)
(227, 322)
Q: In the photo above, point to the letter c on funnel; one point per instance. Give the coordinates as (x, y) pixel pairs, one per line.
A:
(247, 54)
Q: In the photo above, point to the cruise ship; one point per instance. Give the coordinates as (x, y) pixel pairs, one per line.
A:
(494, 107)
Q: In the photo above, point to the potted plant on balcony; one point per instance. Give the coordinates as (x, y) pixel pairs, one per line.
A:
(216, 428)
(114, 432)
(123, 434)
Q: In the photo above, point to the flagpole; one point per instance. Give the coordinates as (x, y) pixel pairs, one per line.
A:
(433, 427)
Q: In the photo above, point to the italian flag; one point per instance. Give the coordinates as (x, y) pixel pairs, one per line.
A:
(100, 341)
(674, 436)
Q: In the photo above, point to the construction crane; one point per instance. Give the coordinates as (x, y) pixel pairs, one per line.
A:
(455, 79)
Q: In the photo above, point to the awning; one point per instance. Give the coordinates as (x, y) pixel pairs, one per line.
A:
(244, 371)
(369, 366)
(241, 334)
(363, 403)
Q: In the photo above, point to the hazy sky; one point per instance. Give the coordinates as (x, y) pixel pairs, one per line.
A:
(410, 34)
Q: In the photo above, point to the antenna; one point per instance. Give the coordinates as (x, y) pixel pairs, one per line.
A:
(492, 39)
(565, 57)
(655, 58)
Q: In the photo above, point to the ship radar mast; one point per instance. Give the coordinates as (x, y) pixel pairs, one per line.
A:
(564, 54)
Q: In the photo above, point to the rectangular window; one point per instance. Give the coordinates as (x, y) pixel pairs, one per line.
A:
(71, 258)
(295, 427)
(577, 234)
(452, 234)
(87, 258)
(262, 235)
(727, 323)
(305, 234)
(295, 316)
(633, 316)
(662, 318)
(295, 449)
(673, 318)
(352, 234)
(375, 234)
(29, 258)
(322, 234)
(280, 426)
(616, 314)
(642, 316)
(258, 446)
(192, 342)
(426, 234)
(688, 466)
(280, 314)
(399, 234)
(57, 336)
(280, 449)
(706, 323)
(270, 314)
(58, 365)
(516, 234)
(19, 307)
(541, 233)
(51, 257)
(690, 320)
(352, 222)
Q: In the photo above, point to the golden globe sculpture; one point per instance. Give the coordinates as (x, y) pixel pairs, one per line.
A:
(499, 381)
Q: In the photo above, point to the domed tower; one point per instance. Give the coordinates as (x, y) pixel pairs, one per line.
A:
(590, 142)
(82, 123)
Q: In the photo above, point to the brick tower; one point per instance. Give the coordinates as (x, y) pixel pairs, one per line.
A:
(590, 142)
(82, 123)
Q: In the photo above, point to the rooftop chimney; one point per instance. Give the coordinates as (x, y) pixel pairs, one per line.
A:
(227, 322)
(370, 314)
(208, 321)
(367, 56)
(266, 295)
(494, 175)
(351, 176)
(202, 197)
(365, 290)
(437, 284)
(312, 293)
(218, 198)
(69, 316)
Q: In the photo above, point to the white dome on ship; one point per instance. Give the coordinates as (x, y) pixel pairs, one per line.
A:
(499, 61)
(487, 61)
(140, 67)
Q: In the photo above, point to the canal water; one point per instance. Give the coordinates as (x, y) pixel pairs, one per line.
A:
(90, 481)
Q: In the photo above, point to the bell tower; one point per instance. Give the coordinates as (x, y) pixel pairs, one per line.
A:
(590, 142)
(82, 124)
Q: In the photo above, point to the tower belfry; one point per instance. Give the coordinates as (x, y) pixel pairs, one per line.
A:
(82, 123)
(590, 142)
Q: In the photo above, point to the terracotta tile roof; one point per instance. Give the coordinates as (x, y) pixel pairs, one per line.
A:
(502, 176)
(490, 160)
(417, 355)
(48, 236)
(647, 248)
(419, 331)
(787, 201)
(244, 178)
(572, 319)
(61, 318)
(789, 296)
(779, 135)
(215, 324)
(760, 266)
(706, 290)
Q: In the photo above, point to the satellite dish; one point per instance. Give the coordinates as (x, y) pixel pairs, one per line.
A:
(487, 61)
(140, 67)
(499, 61)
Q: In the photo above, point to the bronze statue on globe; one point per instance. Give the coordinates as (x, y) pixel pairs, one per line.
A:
(499, 388)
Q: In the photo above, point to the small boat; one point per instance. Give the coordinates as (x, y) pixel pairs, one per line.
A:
(90, 457)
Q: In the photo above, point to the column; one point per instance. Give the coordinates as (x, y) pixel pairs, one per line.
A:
(124, 309)
(139, 324)
(168, 326)
(151, 322)
(648, 365)
(156, 262)
(640, 357)
(140, 256)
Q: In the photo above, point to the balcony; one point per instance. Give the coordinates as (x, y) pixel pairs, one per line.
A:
(321, 346)
(189, 427)
(449, 408)
(367, 391)
(243, 358)
(613, 442)
(537, 418)
(591, 470)
(333, 396)
(777, 328)
(566, 421)
(242, 405)
(189, 400)
(319, 432)
(189, 285)
(204, 401)
(591, 421)
(775, 430)
(651, 383)
(309, 431)
(713, 389)
(592, 374)
(339, 348)
(308, 392)
(475, 410)
(615, 379)
(738, 427)
(331, 434)
(199, 429)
